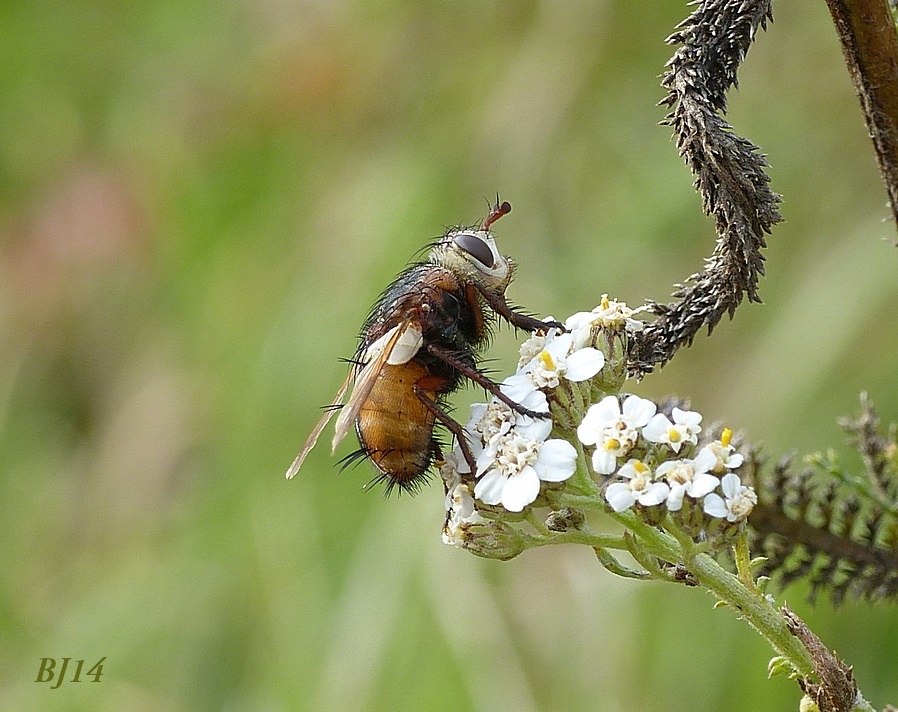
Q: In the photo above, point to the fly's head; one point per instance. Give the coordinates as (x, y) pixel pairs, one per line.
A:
(471, 254)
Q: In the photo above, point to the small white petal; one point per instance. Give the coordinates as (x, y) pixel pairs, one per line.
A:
(579, 320)
(730, 485)
(655, 494)
(520, 490)
(534, 428)
(620, 496)
(675, 498)
(517, 387)
(597, 417)
(603, 462)
(478, 410)
(588, 434)
(582, 337)
(535, 401)
(604, 411)
(628, 469)
(715, 506)
(485, 459)
(703, 484)
(733, 461)
(584, 364)
(556, 461)
(489, 488)
(561, 345)
(705, 460)
(657, 429)
(687, 417)
(664, 468)
(638, 410)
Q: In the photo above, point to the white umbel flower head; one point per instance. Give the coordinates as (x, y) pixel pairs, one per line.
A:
(511, 467)
(613, 429)
(724, 457)
(688, 477)
(461, 513)
(638, 487)
(737, 502)
(558, 359)
(450, 470)
(684, 429)
(610, 313)
(531, 348)
(496, 418)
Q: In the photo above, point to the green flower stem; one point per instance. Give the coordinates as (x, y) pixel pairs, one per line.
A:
(578, 536)
(615, 566)
(656, 542)
(754, 608)
(749, 604)
(743, 563)
(649, 562)
(537, 523)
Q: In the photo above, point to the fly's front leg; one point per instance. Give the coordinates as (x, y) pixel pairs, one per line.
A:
(516, 319)
(473, 374)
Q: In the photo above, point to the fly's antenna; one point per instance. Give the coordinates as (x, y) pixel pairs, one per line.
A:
(496, 212)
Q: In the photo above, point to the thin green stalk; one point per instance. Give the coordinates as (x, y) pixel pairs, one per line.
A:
(750, 605)
(754, 608)
(578, 536)
(743, 563)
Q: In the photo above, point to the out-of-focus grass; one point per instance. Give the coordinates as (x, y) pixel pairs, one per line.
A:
(198, 203)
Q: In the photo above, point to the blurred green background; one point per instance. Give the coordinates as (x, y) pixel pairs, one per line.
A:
(200, 200)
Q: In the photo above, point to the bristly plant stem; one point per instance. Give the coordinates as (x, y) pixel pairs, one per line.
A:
(729, 174)
(745, 600)
(869, 40)
(753, 607)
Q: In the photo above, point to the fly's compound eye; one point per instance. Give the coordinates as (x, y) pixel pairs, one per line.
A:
(475, 247)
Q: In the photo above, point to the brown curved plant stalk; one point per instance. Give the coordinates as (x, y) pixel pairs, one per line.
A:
(729, 175)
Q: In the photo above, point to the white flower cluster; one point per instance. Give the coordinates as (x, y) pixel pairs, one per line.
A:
(615, 430)
(460, 509)
(513, 454)
(546, 360)
(610, 314)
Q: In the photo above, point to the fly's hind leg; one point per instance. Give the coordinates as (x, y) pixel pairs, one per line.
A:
(453, 425)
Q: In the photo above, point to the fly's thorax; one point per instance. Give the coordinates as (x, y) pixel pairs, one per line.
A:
(472, 255)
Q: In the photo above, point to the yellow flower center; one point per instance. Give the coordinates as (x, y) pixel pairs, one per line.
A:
(640, 467)
(674, 435)
(612, 444)
(547, 360)
(605, 302)
(725, 437)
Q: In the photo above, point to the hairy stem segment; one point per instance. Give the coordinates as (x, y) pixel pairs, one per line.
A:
(729, 175)
(646, 543)
(752, 606)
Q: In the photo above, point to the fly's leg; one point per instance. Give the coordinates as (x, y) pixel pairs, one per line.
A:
(453, 425)
(473, 374)
(516, 319)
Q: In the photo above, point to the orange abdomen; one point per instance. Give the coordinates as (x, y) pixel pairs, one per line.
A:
(394, 427)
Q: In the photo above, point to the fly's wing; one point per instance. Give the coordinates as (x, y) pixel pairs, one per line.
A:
(313, 438)
(399, 345)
